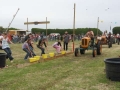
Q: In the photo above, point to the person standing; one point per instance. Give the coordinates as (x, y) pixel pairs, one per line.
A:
(6, 47)
(66, 40)
(78, 37)
(118, 37)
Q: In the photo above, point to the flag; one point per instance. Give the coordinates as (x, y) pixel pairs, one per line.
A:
(110, 27)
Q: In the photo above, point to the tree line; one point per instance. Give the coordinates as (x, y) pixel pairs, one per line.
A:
(70, 31)
(116, 30)
(4, 29)
(61, 31)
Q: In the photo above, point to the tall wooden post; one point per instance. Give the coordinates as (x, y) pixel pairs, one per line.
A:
(46, 27)
(74, 26)
(46, 31)
(97, 25)
(27, 25)
(12, 20)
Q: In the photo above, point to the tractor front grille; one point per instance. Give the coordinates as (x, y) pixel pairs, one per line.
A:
(84, 41)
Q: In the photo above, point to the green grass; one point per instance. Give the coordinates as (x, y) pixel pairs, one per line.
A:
(65, 73)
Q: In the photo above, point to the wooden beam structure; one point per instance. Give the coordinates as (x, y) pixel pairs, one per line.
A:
(36, 23)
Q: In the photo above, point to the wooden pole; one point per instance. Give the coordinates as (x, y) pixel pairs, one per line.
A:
(27, 24)
(46, 27)
(97, 25)
(46, 31)
(74, 26)
(12, 20)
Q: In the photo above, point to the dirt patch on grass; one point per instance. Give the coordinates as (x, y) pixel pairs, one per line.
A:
(101, 86)
(23, 65)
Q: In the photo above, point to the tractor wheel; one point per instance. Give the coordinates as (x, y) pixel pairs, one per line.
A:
(94, 53)
(99, 48)
(76, 52)
(82, 51)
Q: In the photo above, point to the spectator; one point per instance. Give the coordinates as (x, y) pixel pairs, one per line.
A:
(28, 36)
(66, 40)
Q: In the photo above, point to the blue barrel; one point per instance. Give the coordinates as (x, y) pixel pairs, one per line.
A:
(112, 68)
(2, 60)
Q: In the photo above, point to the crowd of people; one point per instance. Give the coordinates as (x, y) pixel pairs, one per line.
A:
(27, 42)
(35, 37)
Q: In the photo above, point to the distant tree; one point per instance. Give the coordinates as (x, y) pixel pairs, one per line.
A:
(116, 30)
(11, 28)
(2, 29)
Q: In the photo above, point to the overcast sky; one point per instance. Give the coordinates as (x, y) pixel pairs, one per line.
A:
(60, 13)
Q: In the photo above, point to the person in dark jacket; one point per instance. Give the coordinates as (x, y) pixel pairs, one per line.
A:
(66, 40)
(28, 36)
(40, 45)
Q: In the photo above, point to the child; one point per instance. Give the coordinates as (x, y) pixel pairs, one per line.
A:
(57, 46)
(6, 47)
(27, 49)
(40, 45)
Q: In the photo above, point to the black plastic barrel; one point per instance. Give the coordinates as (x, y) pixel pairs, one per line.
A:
(2, 60)
(112, 67)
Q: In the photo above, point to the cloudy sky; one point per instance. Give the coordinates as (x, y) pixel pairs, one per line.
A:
(60, 13)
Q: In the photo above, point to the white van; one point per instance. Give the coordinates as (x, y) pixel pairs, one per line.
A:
(54, 34)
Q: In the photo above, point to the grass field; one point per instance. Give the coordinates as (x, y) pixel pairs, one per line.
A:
(65, 73)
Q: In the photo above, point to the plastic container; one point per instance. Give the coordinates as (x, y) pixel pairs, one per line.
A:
(44, 56)
(2, 60)
(37, 57)
(51, 54)
(63, 52)
(32, 59)
(112, 68)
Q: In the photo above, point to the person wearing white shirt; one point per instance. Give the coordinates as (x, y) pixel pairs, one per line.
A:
(6, 47)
